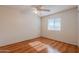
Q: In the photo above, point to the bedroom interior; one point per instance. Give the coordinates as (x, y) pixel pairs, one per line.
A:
(39, 29)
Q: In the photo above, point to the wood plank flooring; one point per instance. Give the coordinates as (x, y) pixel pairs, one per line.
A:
(40, 45)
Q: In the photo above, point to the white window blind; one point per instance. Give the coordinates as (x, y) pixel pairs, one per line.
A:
(54, 24)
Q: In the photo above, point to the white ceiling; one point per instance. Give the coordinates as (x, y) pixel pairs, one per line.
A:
(52, 8)
(55, 8)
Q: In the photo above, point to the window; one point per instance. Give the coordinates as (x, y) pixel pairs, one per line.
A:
(54, 24)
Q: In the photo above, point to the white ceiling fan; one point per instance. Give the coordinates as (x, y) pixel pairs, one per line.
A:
(39, 8)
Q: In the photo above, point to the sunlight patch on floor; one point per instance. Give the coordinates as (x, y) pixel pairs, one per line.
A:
(38, 46)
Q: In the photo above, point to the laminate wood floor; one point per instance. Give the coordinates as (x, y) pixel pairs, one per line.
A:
(40, 45)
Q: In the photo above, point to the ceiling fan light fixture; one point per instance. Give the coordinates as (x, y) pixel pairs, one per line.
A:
(35, 10)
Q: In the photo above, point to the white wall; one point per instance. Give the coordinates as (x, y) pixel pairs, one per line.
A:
(68, 31)
(16, 26)
(78, 26)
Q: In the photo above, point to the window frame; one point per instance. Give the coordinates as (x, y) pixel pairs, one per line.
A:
(54, 24)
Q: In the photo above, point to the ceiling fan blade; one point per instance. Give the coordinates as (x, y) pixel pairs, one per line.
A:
(39, 8)
(44, 10)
